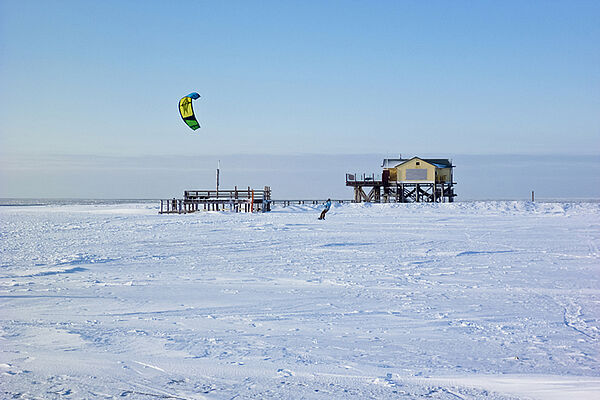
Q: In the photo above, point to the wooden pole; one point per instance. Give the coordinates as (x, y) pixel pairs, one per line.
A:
(532, 196)
(218, 168)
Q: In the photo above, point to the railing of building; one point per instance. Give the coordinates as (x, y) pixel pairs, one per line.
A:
(360, 178)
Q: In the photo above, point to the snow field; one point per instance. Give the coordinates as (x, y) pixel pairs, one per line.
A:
(491, 300)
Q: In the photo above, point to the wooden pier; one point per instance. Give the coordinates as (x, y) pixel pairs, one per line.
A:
(286, 203)
(236, 200)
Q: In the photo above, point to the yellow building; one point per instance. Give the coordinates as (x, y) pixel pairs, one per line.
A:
(417, 170)
(406, 181)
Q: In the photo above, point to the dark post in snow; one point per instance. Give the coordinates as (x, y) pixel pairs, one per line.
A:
(218, 167)
(532, 197)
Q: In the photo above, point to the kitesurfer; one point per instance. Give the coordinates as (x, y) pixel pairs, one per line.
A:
(327, 207)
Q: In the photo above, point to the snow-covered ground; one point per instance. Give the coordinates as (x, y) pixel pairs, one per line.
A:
(482, 300)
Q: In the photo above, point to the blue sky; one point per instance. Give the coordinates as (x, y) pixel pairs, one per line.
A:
(104, 77)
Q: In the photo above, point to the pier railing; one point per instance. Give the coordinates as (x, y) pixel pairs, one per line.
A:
(286, 203)
(236, 200)
(228, 194)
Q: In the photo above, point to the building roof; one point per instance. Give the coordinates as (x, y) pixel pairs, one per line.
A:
(437, 162)
(392, 162)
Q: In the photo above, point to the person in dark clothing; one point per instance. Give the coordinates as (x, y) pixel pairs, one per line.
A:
(327, 207)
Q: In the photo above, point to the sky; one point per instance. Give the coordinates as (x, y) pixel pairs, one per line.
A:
(103, 79)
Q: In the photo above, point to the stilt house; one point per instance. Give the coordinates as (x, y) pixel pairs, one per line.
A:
(405, 181)
(418, 170)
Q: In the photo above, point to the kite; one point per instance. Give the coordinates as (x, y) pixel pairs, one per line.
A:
(187, 112)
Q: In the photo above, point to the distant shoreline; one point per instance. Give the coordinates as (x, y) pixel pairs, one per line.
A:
(39, 202)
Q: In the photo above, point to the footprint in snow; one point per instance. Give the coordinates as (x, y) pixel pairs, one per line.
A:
(286, 373)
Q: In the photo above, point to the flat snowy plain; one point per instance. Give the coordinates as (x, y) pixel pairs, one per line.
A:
(482, 300)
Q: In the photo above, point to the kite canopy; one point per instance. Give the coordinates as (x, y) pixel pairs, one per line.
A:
(187, 112)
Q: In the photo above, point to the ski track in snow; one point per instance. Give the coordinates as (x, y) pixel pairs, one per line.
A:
(482, 300)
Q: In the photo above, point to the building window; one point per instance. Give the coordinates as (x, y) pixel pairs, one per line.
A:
(416, 174)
